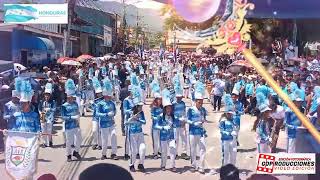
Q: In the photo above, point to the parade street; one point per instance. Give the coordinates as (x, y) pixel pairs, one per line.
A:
(53, 160)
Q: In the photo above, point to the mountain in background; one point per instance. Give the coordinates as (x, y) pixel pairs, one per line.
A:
(148, 17)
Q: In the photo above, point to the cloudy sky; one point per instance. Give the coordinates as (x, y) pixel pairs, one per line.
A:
(142, 3)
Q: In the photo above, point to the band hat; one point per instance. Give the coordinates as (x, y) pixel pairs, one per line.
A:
(199, 90)
(15, 93)
(26, 91)
(229, 105)
(107, 89)
(48, 88)
(166, 98)
(70, 88)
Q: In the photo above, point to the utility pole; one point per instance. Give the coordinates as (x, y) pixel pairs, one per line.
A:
(66, 33)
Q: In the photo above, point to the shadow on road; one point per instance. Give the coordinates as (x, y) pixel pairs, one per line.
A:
(89, 159)
(179, 170)
(247, 150)
(43, 160)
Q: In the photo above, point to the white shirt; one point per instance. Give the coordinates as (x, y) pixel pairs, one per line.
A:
(279, 113)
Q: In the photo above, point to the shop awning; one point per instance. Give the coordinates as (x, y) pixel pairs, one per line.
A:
(47, 42)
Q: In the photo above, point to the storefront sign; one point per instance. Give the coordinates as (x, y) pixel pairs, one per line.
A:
(36, 13)
(107, 36)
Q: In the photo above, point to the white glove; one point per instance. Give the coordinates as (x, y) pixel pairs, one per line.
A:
(110, 114)
(270, 139)
(182, 119)
(75, 117)
(166, 127)
(234, 133)
(198, 123)
(46, 109)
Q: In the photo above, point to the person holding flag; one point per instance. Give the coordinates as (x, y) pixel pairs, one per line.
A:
(22, 138)
(196, 117)
(105, 111)
(70, 115)
(47, 109)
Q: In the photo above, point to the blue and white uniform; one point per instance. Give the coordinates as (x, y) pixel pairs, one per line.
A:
(26, 122)
(70, 115)
(135, 134)
(228, 139)
(179, 120)
(9, 109)
(49, 108)
(127, 110)
(238, 107)
(195, 118)
(292, 122)
(156, 115)
(95, 124)
(165, 126)
(263, 137)
(105, 111)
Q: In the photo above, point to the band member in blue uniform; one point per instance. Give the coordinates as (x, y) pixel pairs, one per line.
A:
(135, 136)
(156, 115)
(13, 106)
(105, 111)
(71, 116)
(165, 126)
(196, 117)
(47, 109)
(26, 120)
(263, 126)
(228, 133)
(127, 110)
(95, 119)
(239, 110)
(292, 122)
(179, 121)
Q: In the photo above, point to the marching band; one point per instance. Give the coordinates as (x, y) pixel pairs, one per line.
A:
(177, 131)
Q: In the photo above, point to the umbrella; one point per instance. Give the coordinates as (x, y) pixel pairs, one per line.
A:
(18, 67)
(62, 59)
(71, 63)
(34, 75)
(237, 66)
(84, 57)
